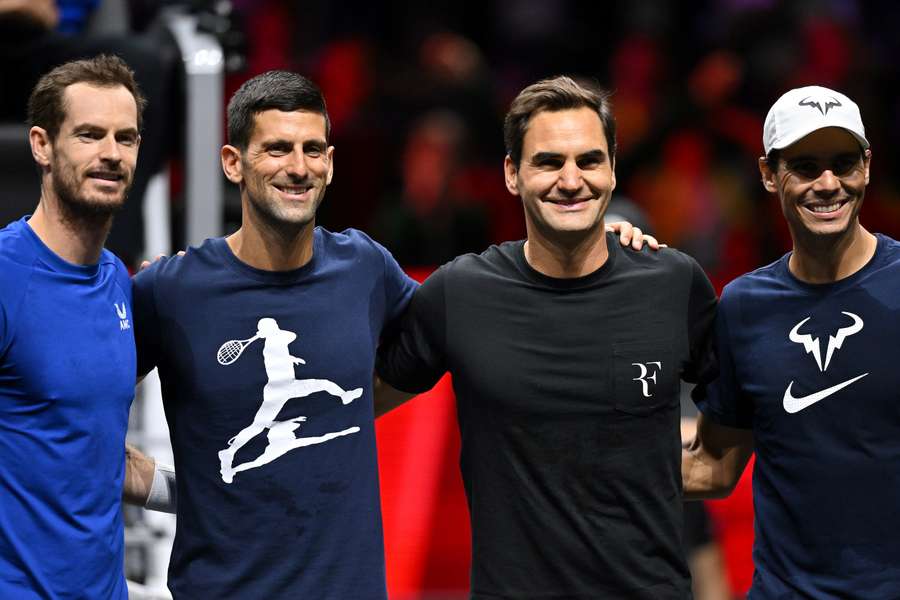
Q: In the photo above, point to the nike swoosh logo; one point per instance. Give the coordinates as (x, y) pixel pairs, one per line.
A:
(795, 405)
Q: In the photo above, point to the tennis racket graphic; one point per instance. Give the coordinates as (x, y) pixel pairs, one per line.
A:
(232, 349)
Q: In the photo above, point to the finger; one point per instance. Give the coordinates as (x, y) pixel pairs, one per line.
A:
(637, 239)
(652, 242)
(144, 265)
(181, 253)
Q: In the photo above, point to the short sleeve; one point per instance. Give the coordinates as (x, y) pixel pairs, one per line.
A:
(701, 318)
(398, 287)
(721, 399)
(412, 357)
(146, 319)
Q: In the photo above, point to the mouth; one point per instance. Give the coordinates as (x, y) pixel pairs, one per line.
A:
(569, 204)
(106, 176)
(296, 192)
(822, 210)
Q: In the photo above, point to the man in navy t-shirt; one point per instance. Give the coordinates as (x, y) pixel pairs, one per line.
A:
(67, 357)
(265, 343)
(807, 372)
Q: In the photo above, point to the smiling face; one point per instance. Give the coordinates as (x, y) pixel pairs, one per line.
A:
(91, 162)
(565, 177)
(285, 169)
(821, 180)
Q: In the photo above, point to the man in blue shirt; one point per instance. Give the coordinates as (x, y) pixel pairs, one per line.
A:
(265, 344)
(67, 356)
(806, 372)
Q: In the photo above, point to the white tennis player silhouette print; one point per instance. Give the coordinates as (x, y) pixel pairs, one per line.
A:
(281, 387)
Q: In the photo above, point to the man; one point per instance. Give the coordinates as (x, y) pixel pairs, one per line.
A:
(807, 375)
(566, 352)
(294, 513)
(67, 357)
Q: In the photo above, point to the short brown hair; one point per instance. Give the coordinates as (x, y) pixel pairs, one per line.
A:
(46, 105)
(555, 94)
(273, 90)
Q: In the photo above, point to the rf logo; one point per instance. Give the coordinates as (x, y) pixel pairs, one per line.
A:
(647, 375)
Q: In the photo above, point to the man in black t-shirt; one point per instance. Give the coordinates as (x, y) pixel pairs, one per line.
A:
(566, 352)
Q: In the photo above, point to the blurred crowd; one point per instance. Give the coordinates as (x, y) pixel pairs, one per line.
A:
(417, 93)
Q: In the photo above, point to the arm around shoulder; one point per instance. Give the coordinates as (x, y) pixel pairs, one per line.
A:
(712, 463)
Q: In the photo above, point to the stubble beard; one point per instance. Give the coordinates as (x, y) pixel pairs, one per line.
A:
(79, 210)
(281, 222)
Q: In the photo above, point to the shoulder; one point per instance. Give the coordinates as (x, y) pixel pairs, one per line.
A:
(751, 283)
(182, 269)
(349, 242)
(17, 259)
(496, 259)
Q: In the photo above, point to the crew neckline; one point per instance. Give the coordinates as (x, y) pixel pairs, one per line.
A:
(220, 245)
(612, 245)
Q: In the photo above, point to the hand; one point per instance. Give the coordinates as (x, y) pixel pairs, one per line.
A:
(147, 263)
(629, 234)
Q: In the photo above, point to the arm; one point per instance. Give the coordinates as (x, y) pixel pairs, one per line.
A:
(387, 398)
(139, 470)
(148, 483)
(713, 461)
(41, 12)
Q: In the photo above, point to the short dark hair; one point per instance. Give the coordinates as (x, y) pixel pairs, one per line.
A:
(555, 94)
(279, 90)
(46, 105)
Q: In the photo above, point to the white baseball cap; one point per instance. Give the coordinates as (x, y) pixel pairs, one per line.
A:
(801, 111)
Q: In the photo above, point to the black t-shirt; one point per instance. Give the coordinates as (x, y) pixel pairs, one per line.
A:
(568, 404)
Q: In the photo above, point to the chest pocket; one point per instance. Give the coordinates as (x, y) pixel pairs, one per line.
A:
(645, 376)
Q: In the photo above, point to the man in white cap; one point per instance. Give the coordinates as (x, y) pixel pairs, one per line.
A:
(807, 374)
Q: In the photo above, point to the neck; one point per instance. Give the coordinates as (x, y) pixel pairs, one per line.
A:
(565, 258)
(272, 249)
(76, 238)
(820, 259)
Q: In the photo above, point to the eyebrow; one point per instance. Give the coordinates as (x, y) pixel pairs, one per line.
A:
(815, 157)
(285, 143)
(97, 129)
(596, 154)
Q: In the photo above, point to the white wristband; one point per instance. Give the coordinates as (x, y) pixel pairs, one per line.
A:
(163, 496)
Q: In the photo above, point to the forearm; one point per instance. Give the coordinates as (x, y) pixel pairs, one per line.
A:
(712, 463)
(139, 469)
(149, 483)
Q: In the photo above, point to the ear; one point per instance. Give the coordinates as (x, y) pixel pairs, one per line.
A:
(612, 167)
(768, 176)
(231, 164)
(41, 146)
(511, 172)
(329, 155)
(867, 159)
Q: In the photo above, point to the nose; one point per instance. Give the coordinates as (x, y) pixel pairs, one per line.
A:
(827, 184)
(109, 149)
(296, 166)
(570, 180)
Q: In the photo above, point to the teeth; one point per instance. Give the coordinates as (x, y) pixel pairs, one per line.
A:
(825, 209)
(292, 190)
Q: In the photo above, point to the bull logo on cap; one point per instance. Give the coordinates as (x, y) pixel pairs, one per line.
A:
(830, 102)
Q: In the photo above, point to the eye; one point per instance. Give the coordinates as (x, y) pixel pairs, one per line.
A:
(806, 168)
(590, 162)
(844, 165)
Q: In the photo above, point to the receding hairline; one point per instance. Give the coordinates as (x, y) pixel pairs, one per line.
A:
(65, 98)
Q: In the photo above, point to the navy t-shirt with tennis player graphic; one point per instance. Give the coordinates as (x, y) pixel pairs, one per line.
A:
(267, 387)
